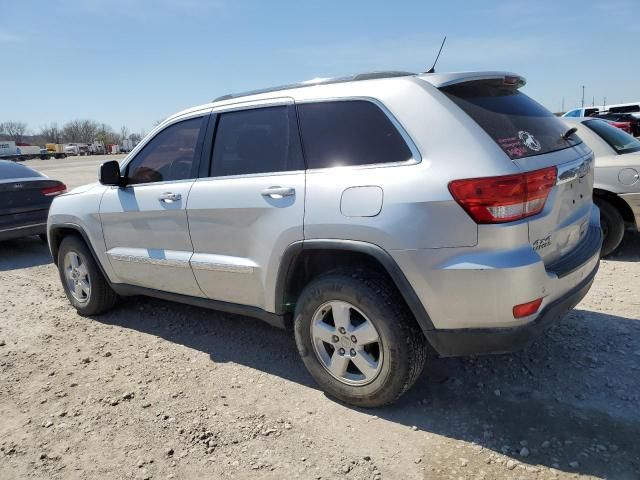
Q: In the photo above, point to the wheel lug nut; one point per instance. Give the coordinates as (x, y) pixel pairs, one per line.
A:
(342, 330)
(341, 351)
(335, 339)
(353, 339)
(353, 352)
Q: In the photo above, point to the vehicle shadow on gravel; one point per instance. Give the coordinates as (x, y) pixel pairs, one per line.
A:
(566, 402)
(629, 250)
(23, 253)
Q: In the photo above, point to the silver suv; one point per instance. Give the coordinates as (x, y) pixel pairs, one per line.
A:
(379, 215)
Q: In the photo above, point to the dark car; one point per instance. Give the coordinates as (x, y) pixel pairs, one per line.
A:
(25, 198)
(634, 122)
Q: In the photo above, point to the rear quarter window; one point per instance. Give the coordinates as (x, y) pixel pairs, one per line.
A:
(349, 132)
(519, 125)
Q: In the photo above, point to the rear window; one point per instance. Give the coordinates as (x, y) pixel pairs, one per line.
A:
(10, 170)
(625, 109)
(619, 140)
(518, 124)
(351, 132)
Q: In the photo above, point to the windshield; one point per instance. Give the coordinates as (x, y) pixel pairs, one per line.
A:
(519, 125)
(619, 140)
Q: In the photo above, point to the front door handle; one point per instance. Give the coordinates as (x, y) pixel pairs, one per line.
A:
(169, 197)
(278, 192)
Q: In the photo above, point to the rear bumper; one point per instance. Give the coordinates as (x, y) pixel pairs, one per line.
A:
(23, 224)
(477, 341)
(633, 200)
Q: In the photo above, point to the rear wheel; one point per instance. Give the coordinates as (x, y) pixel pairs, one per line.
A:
(83, 282)
(612, 225)
(358, 339)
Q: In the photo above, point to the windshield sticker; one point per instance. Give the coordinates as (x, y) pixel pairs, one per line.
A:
(529, 141)
(513, 146)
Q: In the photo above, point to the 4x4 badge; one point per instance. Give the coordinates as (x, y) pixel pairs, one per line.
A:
(542, 243)
(529, 141)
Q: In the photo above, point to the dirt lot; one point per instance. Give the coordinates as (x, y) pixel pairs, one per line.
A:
(159, 390)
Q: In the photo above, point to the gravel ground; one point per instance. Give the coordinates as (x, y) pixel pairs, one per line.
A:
(160, 390)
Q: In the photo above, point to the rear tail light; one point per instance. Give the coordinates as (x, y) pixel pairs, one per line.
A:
(506, 198)
(526, 309)
(55, 190)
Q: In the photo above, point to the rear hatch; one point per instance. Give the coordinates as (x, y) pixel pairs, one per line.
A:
(533, 139)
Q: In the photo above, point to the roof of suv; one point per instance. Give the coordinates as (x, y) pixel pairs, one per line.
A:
(437, 80)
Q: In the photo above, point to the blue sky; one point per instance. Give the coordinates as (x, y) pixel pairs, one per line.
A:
(131, 62)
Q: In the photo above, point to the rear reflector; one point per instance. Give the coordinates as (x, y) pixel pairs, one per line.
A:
(55, 190)
(526, 309)
(506, 198)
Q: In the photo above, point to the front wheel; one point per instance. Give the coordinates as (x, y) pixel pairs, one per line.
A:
(83, 282)
(612, 225)
(358, 339)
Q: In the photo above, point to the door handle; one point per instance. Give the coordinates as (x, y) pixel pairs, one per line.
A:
(278, 192)
(169, 197)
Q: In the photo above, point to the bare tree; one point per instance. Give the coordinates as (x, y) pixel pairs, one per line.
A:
(124, 132)
(51, 133)
(82, 131)
(135, 138)
(14, 130)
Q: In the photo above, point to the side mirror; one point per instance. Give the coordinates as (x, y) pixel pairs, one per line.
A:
(110, 174)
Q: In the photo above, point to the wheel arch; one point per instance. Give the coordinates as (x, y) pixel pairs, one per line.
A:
(306, 259)
(622, 206)
(58, 232)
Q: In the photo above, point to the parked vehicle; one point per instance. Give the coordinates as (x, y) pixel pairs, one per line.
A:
(77, 149)
(582, 112)
(126, 145)
(25, 197)
(617, 178)
(376, 214)
(10, 150)
(52, 150)
(632, 108)
(96, 148)
(624, 121)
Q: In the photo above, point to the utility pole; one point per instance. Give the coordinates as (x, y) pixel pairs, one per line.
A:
(593, 102)
(562, 109)
(582, 96)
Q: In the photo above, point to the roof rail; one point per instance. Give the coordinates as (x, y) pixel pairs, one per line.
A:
(319, 81)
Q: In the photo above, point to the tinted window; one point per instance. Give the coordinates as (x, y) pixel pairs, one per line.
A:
(260, 140)
(588, 112)
(518, 124)
(354, 132)
(9, 170)
(626, 109)
(168, 156)
(619, 140)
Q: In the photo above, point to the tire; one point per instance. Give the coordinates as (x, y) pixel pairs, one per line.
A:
(612, 225)
(98, 297)
(400, 352)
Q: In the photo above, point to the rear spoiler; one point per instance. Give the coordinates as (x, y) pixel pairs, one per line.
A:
(440, 80)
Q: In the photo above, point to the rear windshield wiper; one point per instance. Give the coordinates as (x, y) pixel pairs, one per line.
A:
(568, 133)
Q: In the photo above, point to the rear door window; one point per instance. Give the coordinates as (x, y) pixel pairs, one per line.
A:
(349, 132)
(619, 140)
(258, 140)
(519, 125)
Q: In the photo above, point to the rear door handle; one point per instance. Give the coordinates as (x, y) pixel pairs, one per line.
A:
(278, 192)
(169, 197)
